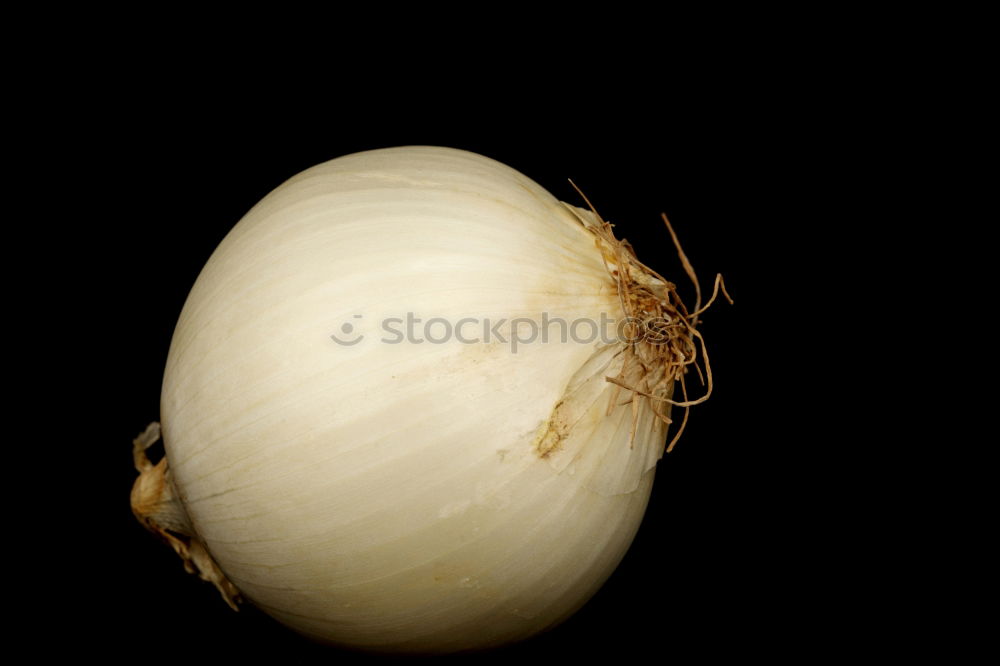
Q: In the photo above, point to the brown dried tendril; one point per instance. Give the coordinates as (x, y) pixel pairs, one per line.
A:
(659, 332)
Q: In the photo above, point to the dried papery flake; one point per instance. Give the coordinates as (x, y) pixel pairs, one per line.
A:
(157, 507)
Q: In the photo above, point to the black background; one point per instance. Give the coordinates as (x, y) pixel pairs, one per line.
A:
(718, 565)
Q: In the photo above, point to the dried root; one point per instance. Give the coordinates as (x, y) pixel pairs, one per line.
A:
(660, 334)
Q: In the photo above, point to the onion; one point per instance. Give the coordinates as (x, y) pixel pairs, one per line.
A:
(414, 403)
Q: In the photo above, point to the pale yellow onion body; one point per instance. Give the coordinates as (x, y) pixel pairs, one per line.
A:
(393, 496)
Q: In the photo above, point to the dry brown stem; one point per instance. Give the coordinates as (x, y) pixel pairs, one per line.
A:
(157, 507)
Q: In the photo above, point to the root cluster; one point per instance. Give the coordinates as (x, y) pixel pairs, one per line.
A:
(661, 335)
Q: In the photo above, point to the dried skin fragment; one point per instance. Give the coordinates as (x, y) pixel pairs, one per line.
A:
(157, 507)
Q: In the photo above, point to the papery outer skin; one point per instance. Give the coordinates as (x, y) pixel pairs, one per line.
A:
(390, 496)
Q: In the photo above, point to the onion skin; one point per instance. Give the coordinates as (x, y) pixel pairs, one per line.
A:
(417, 498)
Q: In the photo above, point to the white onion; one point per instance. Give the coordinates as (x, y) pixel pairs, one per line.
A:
(413, 497)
